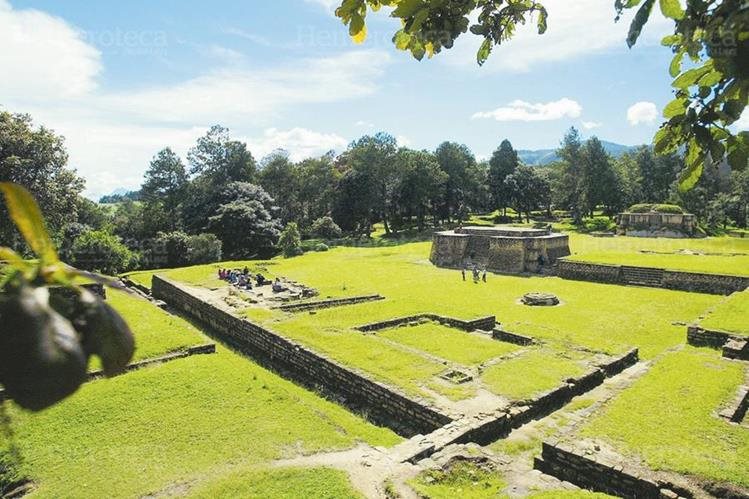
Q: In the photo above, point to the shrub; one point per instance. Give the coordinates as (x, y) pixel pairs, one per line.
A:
(290, 241)
(326, 228)
(321, 247)
(657, 208)
(203, 248)
(599, 224)
(101, 251)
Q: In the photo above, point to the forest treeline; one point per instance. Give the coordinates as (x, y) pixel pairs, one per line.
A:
(220, 202)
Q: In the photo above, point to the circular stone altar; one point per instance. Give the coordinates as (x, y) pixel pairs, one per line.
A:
(540, 299)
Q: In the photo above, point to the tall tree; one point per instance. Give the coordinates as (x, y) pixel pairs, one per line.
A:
(456, 160)
(318, 179)
(165, 179)
(504, 162)
(710, 93)
(220, 159)
(420, 184)
(569, 180)
(527, 190)
(36, 159)
(600, 182)
(280, 178)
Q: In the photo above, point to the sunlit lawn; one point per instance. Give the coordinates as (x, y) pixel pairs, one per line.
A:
(599, 317)
(669, 417)
(721, 255)
(731, 315)
(184, 422)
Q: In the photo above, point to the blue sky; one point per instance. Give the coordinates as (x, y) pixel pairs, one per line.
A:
(121, 80)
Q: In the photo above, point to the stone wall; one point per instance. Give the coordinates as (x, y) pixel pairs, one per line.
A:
(338, 302)
(517, 339)
(733, 346)
(482, 323)
(657, 224)
(718, 284)
(590, 472)
(381, 403)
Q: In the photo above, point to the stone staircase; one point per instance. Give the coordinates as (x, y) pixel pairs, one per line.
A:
(640, 276)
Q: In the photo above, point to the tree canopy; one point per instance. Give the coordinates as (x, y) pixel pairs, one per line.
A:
(711, 90)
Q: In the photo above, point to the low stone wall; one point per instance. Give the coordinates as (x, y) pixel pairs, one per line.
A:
(482, 323)
(736, 410)
(132, 284)
(381, 403)
(719, 284)
(584, 271)
(517, 339)
(699, 337)
(591, 473)
(485, 428)
(337, 302)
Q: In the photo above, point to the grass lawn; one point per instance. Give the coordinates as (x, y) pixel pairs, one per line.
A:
(668, 417)
(156, 332)
(183, 422)
(599, 317)
(719, 255)
(281, 483)
(449, 343)
(531, 373)
(732, 315)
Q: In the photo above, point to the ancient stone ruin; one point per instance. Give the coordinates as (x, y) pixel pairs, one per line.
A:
(540, 299)
(499, 249)
(654, 224)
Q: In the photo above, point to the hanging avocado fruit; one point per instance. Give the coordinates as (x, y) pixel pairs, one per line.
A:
(103, 332)
(41, 358)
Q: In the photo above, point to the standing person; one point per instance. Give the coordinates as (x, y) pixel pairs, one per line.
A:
(463, 273)
(475, 273)
(483, 277)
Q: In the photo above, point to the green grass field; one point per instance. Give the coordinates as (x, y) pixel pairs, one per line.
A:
(716, 255)
(598, 317)
(668, 418)
(183, 422)
(732, 315)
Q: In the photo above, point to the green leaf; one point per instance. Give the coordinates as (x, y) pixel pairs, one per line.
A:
(642, 16)
(483, 54)
(675, 67)
(542, 21)
(27, 216)
(401, 40)
(675, 107)
(695, 162)
(710, 79)
(690, 77)
(357, 29)
(672, 9)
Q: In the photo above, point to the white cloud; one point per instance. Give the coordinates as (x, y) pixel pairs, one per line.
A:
(42, 56)
(576, 28)
(300, 143)
(364, 124)
(642, 113)
(590, 125)
(258, 39)
(50, 72)
(743, 122)
(403, 141)
(223, 54)
(519, 110)
(329, 5)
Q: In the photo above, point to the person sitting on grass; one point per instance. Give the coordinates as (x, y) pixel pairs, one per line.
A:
(277, 286)
(261, 280)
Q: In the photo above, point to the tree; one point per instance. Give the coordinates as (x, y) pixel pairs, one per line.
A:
(279, 177)
(165, 180)
(372, 157)
(318, 179)
(740, 191)
(35, 158)
(420, 184)
(290, 240)
(220, 159)
(710, 94)
(527, 190)
(100, 251)
(352, 207)
(600, 182)
(242, 216)
(503, 163)
(456, 160)
(325, 228)
(568, 179)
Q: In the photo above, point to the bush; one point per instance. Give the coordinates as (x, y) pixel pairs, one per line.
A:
(321, 247)
(203, 248)
(657, 208)
(599, 224)
(100, 251)
(326, 228)
(290, 241)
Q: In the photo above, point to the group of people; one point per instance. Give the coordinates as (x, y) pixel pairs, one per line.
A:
(243, 279)
(477, 273)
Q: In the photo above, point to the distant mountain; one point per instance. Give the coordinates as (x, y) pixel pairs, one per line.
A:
(542, 157)
(119, 195)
